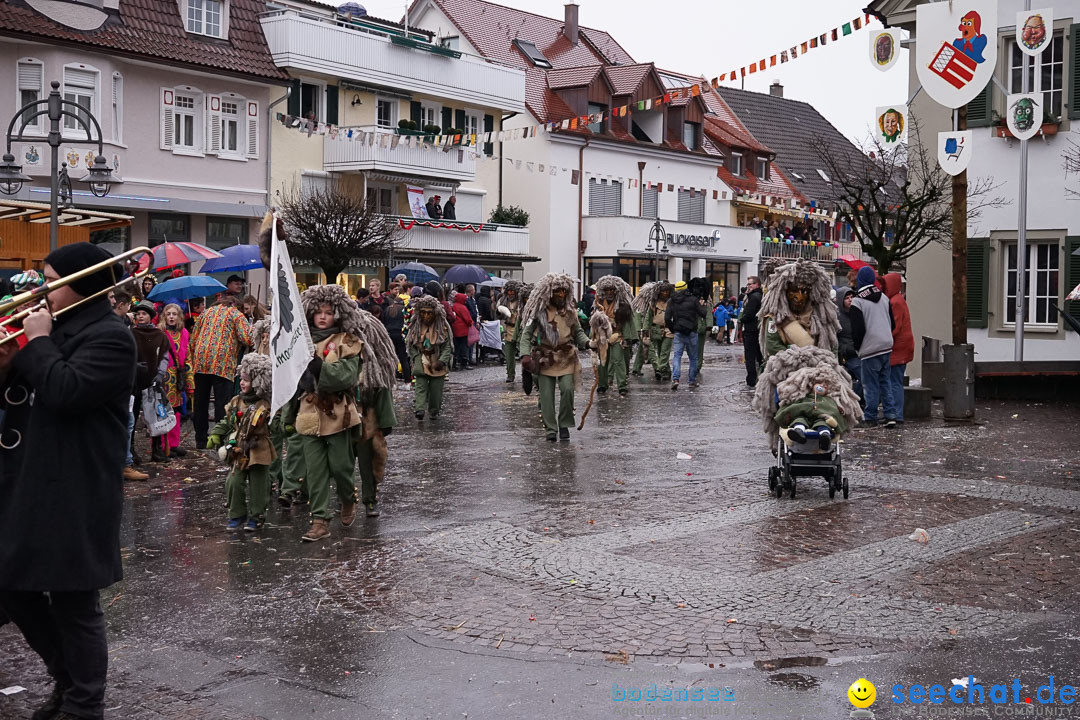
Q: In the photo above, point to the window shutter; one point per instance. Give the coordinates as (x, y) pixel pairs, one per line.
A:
(80, 78)
(489, 126)
(252, 129)
(168, 97)
(32, 77)
(1072, 274)
(605, 198)
(1074, 73)
(331, 105)
(980, 111)
(978, 275)
(118, 107)
(447, 118)
(416, 114)
(294, 98)
(692, 208)
(459, 119)
(650, 202)
(213, 124)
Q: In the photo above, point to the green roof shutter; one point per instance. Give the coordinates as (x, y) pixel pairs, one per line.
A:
(978, 276)
(980, 111)
(1074, 71)
(1072, 274)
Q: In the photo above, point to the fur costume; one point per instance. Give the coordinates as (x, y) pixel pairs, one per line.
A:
(540, 298)
(501, 307)
(624, 298)
(346, 314)
(442, 327)
(266, 237)
(646, 296)
(801, 368)
(256, 368)
(260, 334)
(379, 357)
(774, 304)
(769, 268)
(600, 331)
(700, 287)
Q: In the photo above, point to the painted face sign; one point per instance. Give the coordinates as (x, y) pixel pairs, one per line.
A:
(954, 151)
(891, 124)
(1034, 30)
(954, 55)
(884, 48)
(1024, 114)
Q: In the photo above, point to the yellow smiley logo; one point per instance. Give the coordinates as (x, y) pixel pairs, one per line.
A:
(862, 693)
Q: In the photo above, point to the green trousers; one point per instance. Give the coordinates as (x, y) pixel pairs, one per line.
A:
(277, 439)
(368, 483)
(547, 385)
(615, 368)
(510, 353)
(254, 481)
(292, 467)
(328, 459)
(428, 392)
(639, 357)
(701, 338)
(660, 353)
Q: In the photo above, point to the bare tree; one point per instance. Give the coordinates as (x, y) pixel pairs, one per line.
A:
(1072, 166)
(897, 199)
(330, 227)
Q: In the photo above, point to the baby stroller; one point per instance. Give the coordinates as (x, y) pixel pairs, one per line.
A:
(490, 343)
(796, 459)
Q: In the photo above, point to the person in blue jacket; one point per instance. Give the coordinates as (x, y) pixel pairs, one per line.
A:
(720, 320)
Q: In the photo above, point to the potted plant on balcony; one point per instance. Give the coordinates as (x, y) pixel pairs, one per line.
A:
(509, 215)
(430, 131)
(408, 127)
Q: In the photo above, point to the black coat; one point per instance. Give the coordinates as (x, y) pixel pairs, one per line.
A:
(751, 308)
(60, 518)
(683, 311)
(449, 212)
(483, 305)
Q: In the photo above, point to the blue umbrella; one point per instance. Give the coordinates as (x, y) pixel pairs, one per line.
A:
(238, 258)
(414, 272)
(185, 288)
(466, 274)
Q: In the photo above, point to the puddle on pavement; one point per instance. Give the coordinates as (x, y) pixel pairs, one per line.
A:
(790, 662)
(794, 681)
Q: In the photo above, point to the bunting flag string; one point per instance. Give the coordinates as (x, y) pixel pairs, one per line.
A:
(388, 138)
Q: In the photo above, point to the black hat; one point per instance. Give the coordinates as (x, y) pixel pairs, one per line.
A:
(234, 277)
(433, 288)
(146, 307)
(79, 256)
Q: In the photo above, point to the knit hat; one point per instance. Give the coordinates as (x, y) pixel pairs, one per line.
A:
(79, 256)
(416, 291)
(679, 286)
(865, 276)
(145, 307)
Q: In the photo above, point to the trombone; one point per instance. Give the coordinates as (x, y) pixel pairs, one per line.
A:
(41, 292)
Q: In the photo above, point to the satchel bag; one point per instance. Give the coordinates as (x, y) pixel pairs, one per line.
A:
(157, 412)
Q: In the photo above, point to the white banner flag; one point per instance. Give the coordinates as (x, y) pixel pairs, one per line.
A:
(291, 348)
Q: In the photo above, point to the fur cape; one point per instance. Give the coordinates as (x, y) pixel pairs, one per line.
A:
(791, 375)
(257, 369)
(379, 356)
(769, 268)
(511, 285)
(624, 297)
(442, 326)
(600, 331)
(260, 331)
(266, 236)
(540, 298)
(774, 304)
(346, 313)
(646, 296)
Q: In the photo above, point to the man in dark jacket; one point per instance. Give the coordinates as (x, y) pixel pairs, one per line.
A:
(683, 312)
(483, 305)
(53, 565)
(876, 348)
(449, 210)
(393, 317)
(850, 337)
(434, 210)
(749, 319)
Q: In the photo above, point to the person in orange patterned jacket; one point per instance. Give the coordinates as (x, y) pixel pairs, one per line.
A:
(219, 335)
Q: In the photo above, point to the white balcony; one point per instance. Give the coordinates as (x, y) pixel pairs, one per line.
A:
(798, 251)
(312, 43)
(455, 163)
(502, 240)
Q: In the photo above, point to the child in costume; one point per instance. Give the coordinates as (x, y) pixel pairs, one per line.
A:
(326, 412)
(430, 344)
(244, 438)
(376, 401)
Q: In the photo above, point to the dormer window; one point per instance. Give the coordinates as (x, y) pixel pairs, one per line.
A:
(205, 17)
(532, 53)
(736, 166)
(762, 168)
(690, 133)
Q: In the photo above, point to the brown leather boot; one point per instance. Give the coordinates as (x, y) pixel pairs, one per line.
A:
(319, 530)
(348, 514)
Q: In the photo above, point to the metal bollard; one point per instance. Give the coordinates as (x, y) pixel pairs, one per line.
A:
(959, 382)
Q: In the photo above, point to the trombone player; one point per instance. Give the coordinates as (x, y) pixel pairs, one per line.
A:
(61, 484)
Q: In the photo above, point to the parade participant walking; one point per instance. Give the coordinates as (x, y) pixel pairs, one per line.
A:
(153, 363)
(683, 313)
(702, 288)
(551, 335)
(393, 319)
(287, 468)
(615, 298)
(179, 379)
(656, 332)
(798, 310)
(509, 311)
(749, 321)
(376, 403)
(429, 344)
(244, 434)
(876, 347)
(641, 350)
(326, 411)
(220, 334)
(903, 350)
(53, 565)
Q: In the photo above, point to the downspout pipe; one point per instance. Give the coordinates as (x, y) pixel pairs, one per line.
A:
(581, 214)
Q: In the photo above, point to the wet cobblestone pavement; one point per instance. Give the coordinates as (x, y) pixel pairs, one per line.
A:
(510, 577)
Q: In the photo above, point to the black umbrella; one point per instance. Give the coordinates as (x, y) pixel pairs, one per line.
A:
(465, 274)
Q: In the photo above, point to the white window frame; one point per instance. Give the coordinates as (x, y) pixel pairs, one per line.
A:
(170, 111)
(762, 168)
(1035, 68)
(118, 108)
(195, 18)
(238, 119)
(23, 82)
(1033, 273)
(434, 109)
(320, 110)
(695, 143)
(691, 206)
(70, 89)
(737, 163)
(395, 112)
(378, 190)
(474, 121)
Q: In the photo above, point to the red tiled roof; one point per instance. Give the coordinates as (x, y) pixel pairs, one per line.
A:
(154, 30)
(627, 78)
(731, 136)
(777, 185)
(572, 77)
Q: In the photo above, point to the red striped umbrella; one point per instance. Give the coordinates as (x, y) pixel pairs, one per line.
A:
(171, 254)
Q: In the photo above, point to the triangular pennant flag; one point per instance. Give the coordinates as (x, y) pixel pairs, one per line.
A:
(846, 29)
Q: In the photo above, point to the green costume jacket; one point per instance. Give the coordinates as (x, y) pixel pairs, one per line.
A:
(648, 327)
(383, 405)
(446, 353)
(530, 337)
(813, 416)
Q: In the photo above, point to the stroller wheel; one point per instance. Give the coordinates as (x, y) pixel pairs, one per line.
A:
(832, 490)
(845, 489)
(793, 488)
(772, 478)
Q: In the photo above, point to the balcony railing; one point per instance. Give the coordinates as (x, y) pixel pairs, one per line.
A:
(797, 251)
(474, 238)
(453, 163)
(326, 45)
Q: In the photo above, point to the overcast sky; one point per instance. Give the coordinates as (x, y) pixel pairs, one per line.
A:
(710, 38)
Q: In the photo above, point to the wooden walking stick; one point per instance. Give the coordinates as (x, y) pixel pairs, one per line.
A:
(600, 326)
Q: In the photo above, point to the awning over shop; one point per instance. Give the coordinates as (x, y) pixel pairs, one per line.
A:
(38, 213)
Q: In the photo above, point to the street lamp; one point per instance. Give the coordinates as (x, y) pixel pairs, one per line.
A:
(657, 239)
(100, 178)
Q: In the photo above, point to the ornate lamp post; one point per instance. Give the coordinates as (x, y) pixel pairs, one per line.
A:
(100, 178)
(657, 245)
